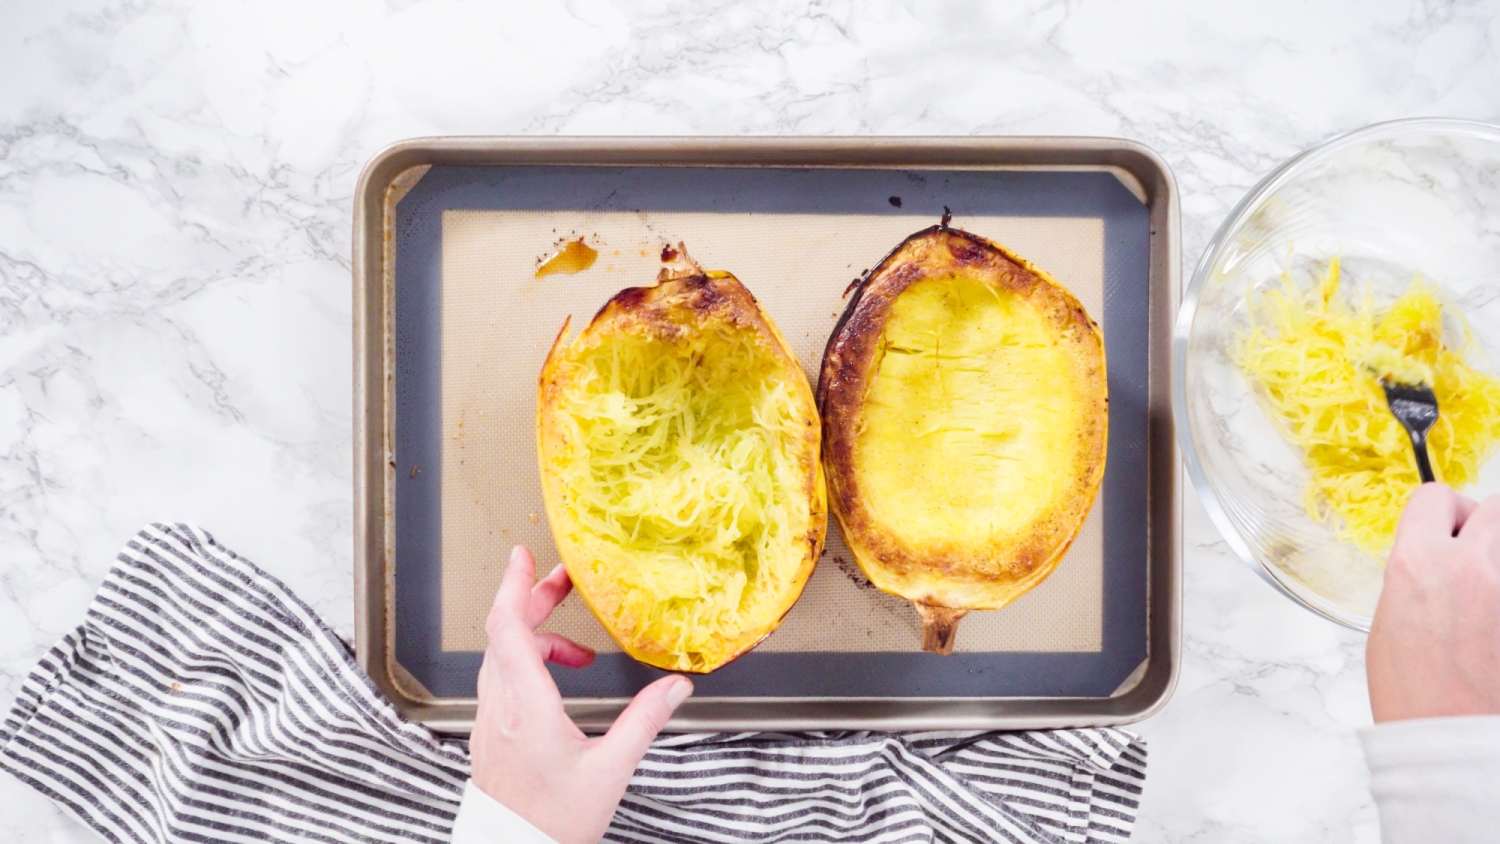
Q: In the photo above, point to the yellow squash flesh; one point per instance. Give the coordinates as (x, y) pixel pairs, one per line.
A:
(965, 413)
(678, 443)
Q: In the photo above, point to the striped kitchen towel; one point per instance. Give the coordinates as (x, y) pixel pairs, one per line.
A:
(201, 701)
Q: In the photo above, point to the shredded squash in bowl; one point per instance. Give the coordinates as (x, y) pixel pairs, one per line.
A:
(1316, 359)
(679, 454)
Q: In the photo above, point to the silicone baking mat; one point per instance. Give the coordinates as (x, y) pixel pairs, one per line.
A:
(473, 324)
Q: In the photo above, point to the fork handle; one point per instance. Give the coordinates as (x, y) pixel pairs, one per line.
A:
(1424, 466)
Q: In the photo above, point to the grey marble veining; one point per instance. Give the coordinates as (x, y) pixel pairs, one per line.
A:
(175, 186)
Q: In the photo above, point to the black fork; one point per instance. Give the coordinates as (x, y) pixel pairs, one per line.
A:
(1415, 407)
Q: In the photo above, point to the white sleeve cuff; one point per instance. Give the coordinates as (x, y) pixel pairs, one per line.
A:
(1436, 779)
(484, 820)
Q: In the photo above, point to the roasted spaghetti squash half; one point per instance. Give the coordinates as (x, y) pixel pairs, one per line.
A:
(965, 417)
(679, 449)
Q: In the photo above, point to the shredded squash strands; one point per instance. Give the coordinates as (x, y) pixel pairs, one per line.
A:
(1316, 359)
(680, 462)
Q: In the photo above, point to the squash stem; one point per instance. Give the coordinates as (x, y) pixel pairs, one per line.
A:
(939, 627)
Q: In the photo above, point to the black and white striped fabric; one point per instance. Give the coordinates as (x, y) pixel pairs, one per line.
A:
(200, 701)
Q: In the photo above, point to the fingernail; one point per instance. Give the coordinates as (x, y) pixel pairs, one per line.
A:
(515, 553)
(679, 692)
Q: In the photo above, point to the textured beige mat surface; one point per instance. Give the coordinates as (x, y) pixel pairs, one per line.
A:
(499, 321)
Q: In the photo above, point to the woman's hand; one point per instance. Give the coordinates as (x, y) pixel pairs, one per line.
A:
(1434, 647)
(527, 753)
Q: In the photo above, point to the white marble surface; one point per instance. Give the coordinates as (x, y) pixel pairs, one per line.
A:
(175, 188)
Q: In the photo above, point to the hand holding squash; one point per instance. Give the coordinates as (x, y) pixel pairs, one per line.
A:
(527, 754)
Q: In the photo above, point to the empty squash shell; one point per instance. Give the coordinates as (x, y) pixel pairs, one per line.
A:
(965, 415)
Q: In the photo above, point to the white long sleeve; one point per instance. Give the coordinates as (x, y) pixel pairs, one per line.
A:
(1436, 779)
(484, 820)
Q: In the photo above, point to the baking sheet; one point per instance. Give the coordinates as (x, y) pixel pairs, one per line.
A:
(499, 319)
(471, 326)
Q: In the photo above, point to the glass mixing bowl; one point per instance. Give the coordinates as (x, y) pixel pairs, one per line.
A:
(1392, 200)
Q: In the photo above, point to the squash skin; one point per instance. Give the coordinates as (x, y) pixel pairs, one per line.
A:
(947, 579)
(684, 300)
